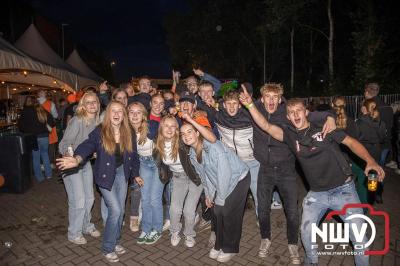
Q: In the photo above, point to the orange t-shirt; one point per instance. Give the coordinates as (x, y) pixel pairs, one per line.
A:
(201, 118)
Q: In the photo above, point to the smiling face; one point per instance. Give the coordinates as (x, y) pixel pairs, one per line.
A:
(232, 107)
(271, 100)
(157, 105)
(187, 107)
(91, 104)
(191, 83)
(297, 114)
(116, 114)
(168, 129)
(189, 135)
(135, 114)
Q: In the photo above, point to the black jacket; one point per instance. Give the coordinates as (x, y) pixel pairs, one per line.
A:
(29, 122)
(268, 150)
(372, 134)
(165, 173)
(386, 115)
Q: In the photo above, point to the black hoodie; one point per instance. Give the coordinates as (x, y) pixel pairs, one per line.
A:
(372, 134)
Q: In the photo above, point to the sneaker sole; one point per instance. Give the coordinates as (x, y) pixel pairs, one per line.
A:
(141, 242)
(262, 255)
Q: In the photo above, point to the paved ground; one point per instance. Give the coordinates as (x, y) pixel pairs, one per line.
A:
(35, 225)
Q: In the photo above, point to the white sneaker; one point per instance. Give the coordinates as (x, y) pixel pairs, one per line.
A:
(120, 250)
(175, 239)
(94, 233)
(80, 240)
(112, 257)
(276, 205)
(225, 257)
(190, 241)
(166, 225)
(214, 254)
(264, 247)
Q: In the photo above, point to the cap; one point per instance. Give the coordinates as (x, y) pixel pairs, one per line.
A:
(187, 97)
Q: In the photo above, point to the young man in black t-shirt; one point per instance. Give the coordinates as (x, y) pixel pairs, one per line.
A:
(324, 166)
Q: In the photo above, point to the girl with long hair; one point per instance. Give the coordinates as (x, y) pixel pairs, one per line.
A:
(79, 185)
(346, 123)
(186, 185)
(36, 120)
(226, 181)
(151, 199)
(372, 133)
(117, 162)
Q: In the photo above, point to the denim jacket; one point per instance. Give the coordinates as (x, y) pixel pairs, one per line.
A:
(105, 169)
(220, 170)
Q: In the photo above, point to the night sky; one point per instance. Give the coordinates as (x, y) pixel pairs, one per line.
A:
(129, 32)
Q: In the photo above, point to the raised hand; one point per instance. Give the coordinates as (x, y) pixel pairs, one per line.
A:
(198, 72)
(245, 97)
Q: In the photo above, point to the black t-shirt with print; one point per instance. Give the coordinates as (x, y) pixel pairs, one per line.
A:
(324, 165)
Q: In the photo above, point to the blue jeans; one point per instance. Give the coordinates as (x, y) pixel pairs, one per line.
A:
(115, 202)
(41, 153)
(167, 196)
(384, 154)
(79, 189)
(152, 191)
(315, 205)
(254, 166)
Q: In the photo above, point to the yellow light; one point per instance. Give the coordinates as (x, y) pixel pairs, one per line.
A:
(29, 88)
(63, 90)
(14, 89)
(2, 82)
(33, 85)
(54, 82)
(25, 72)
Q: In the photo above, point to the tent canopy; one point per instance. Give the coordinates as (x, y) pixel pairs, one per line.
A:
(76, 62)
(32, 54)
(18, 68)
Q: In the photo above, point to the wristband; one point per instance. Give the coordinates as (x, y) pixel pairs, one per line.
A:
(250, 105)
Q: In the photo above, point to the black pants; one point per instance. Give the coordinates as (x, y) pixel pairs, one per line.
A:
(229, 218)
(285, 179)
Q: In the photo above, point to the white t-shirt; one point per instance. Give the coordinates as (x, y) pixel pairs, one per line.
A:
(146, 149)
(174, 166)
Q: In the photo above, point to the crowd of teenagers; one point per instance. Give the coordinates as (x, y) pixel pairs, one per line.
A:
(176, 151)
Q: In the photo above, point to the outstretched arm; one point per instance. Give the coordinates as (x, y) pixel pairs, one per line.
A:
(275, 131)
(358, 149)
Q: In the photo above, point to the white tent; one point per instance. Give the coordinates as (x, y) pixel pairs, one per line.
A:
(33, 44)
(76, 61)
(17, 68)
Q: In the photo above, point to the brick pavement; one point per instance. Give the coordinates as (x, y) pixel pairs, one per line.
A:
(35, 223)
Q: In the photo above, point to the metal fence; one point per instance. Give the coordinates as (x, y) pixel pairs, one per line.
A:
(353, 103)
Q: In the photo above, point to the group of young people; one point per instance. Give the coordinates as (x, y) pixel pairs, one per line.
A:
(209, 152)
